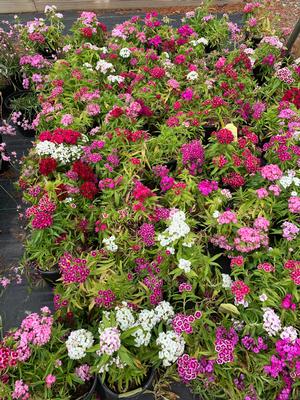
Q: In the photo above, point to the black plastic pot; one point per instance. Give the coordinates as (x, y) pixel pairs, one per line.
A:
(171, 165)
(50, 277)
(208, 130)
(137, 394)
(9, 108)
(89, 394)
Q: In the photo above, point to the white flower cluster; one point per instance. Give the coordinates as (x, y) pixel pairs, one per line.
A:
(125, 52)
(60, 152)
(185, 265)
(171, 345)
(110, 244)
(125, 318)
(78, 342)
(177, 229)
(192, 76)
(115, 78)
(141, 337)
(104, 66)
(201, 40)
(227, 281)
(164, 311)
(113, 361)
(289, 332)
(88, 66)
(272, 323)
(146, 320)
(287, 180)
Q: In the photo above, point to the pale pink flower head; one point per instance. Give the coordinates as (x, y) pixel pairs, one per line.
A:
(67, 119)
(50, 379)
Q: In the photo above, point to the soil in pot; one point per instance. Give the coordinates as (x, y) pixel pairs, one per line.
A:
(137, 394)
(86, 392)
(50, 277)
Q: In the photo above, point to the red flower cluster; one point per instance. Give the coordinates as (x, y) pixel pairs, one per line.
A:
(87, 32)
(84, 171)
(60, 135)
(47, 166)
(234, 180)
(224, 136)
(293, 96)
(294, 267)
(8, 357)
(157, 72)
(141, 192)
(88, 190)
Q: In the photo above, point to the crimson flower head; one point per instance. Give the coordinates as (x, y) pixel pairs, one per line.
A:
(224, 136)
(88, 190)
(87, 32)
(47, 166)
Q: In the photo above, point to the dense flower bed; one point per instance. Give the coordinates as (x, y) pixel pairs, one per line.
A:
(164, 186)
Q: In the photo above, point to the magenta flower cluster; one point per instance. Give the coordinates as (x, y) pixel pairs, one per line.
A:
(73, 270)
(225, 344)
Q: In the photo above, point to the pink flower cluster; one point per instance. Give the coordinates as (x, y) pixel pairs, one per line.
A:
(193, 156)
(249, 239)
(73, 270)
(185, 287)
(110, 341)
(294, 204)
(271, 172)
(34, 330)
(294, 267)
(206, 187)
(225, 344)
(290, 231)
(105, 298)
(21, 390)
(227, 217)
(183, 323)
(240, 290)
(267, 267)
(188, 368)
(83, 372)
(287, 303)
(42, 213)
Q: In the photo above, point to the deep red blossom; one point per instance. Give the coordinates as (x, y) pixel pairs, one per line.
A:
(157, 72)
(88, 190)
(224, 136)
(234, 180)
(87, 32)
(47, 166)
(83, 170)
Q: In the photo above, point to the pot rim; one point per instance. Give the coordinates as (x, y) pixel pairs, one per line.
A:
(133, 393)
(91, 391)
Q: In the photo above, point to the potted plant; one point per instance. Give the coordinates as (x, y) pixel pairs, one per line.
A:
(38, 363)
(131, 345)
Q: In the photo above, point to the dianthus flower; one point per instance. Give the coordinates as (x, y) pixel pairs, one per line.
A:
(147, 234)
(294, 204)
(227, 217)
(290, 230)
(110, 341)
(47, 166)
(193, 156)
(42, 220)
(224, 136)
(239, 289)
(21, 390)
(271, 172)
(88, 190)
(206, 187)
(105, 298)
(73, 270)
(188, 368)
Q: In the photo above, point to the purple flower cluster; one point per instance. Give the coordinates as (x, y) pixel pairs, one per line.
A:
(256, 347)
(73, 270)
(189, 368)
(147, 234)
(193, 156)
(183, 323)
(105, 298)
